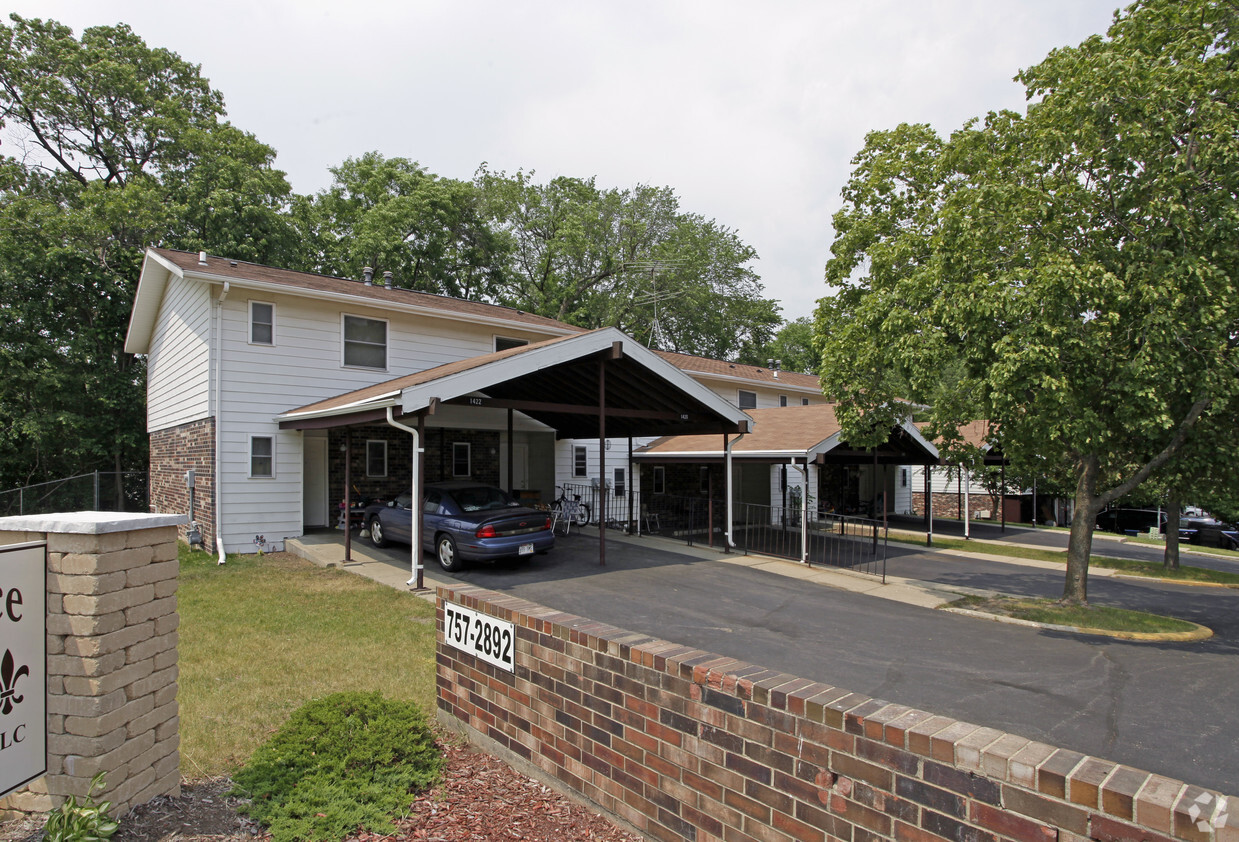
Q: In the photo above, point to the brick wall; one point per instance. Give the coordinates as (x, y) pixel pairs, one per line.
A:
(951, 505)
(112, 658)
(683, 744)
(173, 452)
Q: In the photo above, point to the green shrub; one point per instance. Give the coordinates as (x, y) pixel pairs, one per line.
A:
(85, 822)
(345, 762)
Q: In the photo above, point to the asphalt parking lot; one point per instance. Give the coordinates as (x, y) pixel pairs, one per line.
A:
(1171, 708)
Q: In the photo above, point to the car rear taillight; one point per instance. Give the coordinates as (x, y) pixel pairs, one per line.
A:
(487, 531)
(548, 524)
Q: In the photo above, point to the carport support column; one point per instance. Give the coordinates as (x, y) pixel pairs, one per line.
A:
(602, 462)
(348, 501)
(929, 509)
(804, 514)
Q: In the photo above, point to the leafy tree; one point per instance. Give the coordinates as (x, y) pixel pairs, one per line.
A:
(392, 215)
(120, 145)
(630, 259)
(792, 346)
(1077, 262)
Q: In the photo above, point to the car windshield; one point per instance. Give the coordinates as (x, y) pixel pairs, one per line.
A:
(482, 498)
(404, 500)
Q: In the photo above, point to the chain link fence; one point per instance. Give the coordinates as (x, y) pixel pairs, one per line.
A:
(100, 491)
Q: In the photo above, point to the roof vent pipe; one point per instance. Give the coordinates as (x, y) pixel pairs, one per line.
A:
(367, 275)
(387, 280)
(202, 258)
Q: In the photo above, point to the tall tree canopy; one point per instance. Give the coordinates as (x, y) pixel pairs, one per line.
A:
(629, 259)
(118, 145)
(1076, 264)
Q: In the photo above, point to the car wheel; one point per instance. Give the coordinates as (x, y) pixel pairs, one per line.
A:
(445, 551)
(376, 532)
(582, 515)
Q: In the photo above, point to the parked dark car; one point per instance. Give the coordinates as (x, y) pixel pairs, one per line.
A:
(463, 521)
(1131, 520)
(1208, 532)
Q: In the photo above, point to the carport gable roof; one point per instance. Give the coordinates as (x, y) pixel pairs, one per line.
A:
(983, 436)
(789, 433)
(646, 395)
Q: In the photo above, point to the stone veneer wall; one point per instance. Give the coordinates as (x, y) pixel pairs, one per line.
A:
(173, 452)
(683, 744)
(112, 656)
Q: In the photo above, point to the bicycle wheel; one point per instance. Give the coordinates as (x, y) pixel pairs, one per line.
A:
(582, 514)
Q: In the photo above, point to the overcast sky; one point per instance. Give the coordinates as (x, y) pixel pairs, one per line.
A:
(750, 111)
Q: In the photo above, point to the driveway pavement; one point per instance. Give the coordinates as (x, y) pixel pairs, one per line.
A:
(1171, 708)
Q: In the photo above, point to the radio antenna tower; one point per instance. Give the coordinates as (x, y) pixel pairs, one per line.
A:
(658, 339)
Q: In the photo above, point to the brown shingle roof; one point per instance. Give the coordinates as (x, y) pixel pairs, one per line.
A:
(705, 365)
(785, 429)
(240, 270)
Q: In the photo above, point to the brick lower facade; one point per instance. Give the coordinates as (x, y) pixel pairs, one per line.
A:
(683, 744)
(173, 452)
(949, 504)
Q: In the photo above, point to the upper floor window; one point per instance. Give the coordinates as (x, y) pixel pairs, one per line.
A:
(782, 400)
(804, 401)
(262, 323)
(503, 343)
(365, 342)
(748, 400)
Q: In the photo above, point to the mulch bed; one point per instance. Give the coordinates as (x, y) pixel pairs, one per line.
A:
(480, 798)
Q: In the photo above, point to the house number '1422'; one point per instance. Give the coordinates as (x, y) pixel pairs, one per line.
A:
(480, 635)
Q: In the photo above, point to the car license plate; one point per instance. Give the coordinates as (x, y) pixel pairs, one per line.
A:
(525, 549)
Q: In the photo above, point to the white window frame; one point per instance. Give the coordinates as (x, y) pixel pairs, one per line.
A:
(740, 393)
(344, 340)
(580, 466)
(620, 483)
(270, 456)
(468, 459)
(270, 304)
(512, 341)
(369, 443)
(660, 480)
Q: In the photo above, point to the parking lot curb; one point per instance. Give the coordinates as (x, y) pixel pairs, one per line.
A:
(1197, 634)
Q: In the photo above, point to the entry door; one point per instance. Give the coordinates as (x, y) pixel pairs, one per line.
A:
(520, 465)
(314, 481)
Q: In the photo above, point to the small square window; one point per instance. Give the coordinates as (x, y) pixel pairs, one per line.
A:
(262, 457)
(580, 467)
(804, 401)
(365, 342)
(660, 480)
(461, 463)
(619, 482)
(376, 458)
(748, 400)
(262, 323)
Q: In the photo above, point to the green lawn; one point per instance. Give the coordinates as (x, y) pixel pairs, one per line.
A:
(1185, 572)
(1080, 616)
(261, 635)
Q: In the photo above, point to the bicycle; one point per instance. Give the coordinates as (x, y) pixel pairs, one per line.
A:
(567, 510)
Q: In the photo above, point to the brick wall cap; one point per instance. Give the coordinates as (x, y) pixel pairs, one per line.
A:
(89, 523)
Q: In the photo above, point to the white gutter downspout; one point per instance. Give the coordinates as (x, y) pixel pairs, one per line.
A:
(219, 374)
(731, 523)
(415, 521)
(967, 501)
(804, 515)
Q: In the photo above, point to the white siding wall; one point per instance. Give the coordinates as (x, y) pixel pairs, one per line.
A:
(178, 363)
(303, 366)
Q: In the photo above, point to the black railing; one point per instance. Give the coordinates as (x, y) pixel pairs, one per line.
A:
(848, 542)
(101, 491)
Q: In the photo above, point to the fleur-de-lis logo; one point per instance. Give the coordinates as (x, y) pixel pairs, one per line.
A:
(8, 682)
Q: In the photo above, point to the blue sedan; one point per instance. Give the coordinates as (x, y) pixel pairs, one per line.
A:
(463, 521)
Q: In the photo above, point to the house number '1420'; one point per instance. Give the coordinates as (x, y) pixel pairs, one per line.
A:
(480, 635)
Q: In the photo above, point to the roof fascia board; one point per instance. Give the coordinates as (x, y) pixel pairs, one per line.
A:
(147, 300)
(362, 301)
(736, 378)
(719, 454)
(376, 402)
(477, 379)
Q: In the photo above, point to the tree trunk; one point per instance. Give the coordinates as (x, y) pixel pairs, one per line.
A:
(1170, 560)
(1083, 522)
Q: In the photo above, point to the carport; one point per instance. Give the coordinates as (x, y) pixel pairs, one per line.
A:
(596, 384)
(794, 435)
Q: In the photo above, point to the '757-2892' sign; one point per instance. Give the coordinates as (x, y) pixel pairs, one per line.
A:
(490, 639)
(23, 664)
